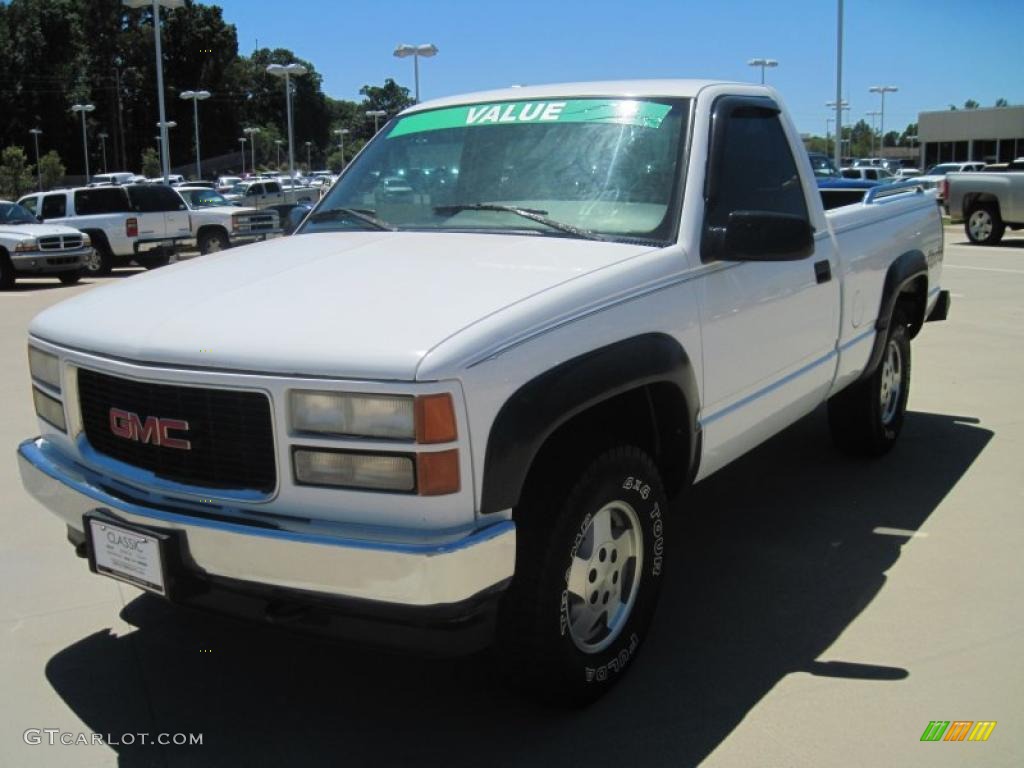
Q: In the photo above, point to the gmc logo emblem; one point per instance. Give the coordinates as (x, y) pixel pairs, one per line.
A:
(154, 431)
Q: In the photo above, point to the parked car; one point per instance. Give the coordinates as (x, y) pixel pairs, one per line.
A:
(867, 172)
(173, 179)
(822, 166)
(890, 164)
(140, 222)
(393, 189)
(986, 202)
(933, 176)
(907, 172)
(227, 183)
(28, 248)
(460, 421)
(217, 224)
(837, 192)
(111, 179)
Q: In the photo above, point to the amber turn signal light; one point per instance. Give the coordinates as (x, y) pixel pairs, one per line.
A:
(437, 473)
(435, 419)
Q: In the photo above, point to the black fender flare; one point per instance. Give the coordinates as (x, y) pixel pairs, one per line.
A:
(907, 268)
(543, 404)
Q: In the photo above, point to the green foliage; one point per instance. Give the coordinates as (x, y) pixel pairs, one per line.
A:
(971, 104)
(1001, 102)
(151, 163)
(15, 173)
(51, 169)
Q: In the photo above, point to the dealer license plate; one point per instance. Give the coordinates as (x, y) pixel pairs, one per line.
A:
(132, 556)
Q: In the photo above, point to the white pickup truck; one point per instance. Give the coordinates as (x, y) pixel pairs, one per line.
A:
(139, 222)
(461, 416)
(38, 250)
(264, 193)
(217, 224)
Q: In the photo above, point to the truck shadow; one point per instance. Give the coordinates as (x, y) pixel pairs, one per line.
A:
(773, 558)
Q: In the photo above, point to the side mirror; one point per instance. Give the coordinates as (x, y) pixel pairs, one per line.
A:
(760, 236)
(295, 217)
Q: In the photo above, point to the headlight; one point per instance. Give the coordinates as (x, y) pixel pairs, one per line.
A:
(27, 245)
(379, 472)
(385, 416)
(49, 409)
(86, 240)
(234, 222)
(44, 367)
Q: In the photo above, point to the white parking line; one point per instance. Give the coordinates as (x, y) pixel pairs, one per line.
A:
(985, 269)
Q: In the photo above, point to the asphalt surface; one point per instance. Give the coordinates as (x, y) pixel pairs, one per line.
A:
(817, 612)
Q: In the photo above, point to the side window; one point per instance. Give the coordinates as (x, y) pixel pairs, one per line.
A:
(253, 190)
(100, 200)
(273, 188)
(29, 203)
(54, 206)
(155, 198)
(757, 171)
(871, 174)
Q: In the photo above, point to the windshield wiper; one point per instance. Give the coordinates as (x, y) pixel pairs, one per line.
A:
(361, 214)
(532, 214)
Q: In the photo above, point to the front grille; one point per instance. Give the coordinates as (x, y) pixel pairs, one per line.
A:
(257, 223)
(57, 261)
(60, 242)
(230, 432)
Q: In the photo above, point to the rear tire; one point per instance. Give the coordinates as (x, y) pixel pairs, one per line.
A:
(984, 225)
(866, 418)
(69, 278)
(588, 572)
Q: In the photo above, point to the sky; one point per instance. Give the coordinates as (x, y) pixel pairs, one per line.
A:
(935, 51)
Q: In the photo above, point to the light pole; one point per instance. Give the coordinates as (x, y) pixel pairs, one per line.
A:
(165, 150)
(251, 133)
(762, 63)
(427, 50)
(39, 173)
(82, 109)
(873, 115)
(839, 84)
(882, 89)
(309, 160)
(242, 139)
(103, 146)
(196, 97)
(376, 114)
(287, 71)
(279, 142)
(165, 160)
(843, 106)
(341, 144)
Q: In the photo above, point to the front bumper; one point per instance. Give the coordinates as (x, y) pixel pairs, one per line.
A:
(405, 583)
(243, 236)
(48, 262)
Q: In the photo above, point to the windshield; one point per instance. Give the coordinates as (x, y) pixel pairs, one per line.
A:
(942, 170)
(607, 168)
(239, 189)
(12, 213)
(203, 198)
(822, 166)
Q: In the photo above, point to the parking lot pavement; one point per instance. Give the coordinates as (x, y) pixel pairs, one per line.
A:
(818, 611)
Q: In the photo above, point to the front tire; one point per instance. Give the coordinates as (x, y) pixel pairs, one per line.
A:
(101, 260)
(589, 568)
(213, 241)
(6, 272)
(984, 225)
(69, 278)
(866, 418)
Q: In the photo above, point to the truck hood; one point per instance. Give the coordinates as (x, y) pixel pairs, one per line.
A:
(354, 305)
(36, 230)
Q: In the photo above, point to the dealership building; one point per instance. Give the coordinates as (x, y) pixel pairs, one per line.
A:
(992, 135)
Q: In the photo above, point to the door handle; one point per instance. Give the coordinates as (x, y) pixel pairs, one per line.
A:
(822, 271)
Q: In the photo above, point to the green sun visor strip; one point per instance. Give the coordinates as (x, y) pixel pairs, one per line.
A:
(646, 114)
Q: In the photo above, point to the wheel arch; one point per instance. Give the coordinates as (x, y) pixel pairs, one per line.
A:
(906, 286)
(642, 389)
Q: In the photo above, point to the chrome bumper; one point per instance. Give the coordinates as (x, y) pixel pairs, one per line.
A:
(38, 262)
(427, 574)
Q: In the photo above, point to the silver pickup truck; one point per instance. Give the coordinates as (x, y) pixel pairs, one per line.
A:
(987, 202)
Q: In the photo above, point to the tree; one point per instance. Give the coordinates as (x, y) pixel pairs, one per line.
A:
(51, 169)
(15, 173)
(1000, 102)
(151, 163)
(971, 104)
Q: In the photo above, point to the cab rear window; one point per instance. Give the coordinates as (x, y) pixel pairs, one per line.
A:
(100, 200)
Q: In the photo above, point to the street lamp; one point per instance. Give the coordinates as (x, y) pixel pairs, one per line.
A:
(376, 114)
(839, 83)
(279, 142)
(196, 97)
(103, 145)
(873, 115)
(82, 109)
(165, 160)
(309, 161)
(251, 132)
(341, 144)
(427, 50)
(763, 63)
(288, 71)
(36, 133)
(165, 150)
(242, 139)
(882, 89)
(844, 106)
